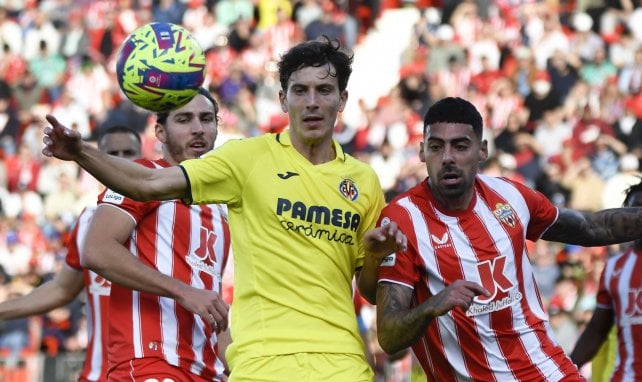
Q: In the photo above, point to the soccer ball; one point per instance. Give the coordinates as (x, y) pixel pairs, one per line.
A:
(160, 66)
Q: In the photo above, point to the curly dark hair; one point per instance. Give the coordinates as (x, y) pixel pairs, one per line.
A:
(455, 110)
(317, 53)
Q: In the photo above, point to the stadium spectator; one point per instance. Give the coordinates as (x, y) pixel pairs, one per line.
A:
(540, 99)
(563, 73)
(10, 34)
(597, 71)
(49, 69)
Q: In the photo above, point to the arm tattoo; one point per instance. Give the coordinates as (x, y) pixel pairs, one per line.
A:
(398, 324)
(610, 226)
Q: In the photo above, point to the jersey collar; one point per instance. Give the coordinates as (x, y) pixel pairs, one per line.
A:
(284, 139)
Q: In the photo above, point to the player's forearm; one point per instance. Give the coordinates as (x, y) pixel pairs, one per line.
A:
(401, 330)
(119, 174)
(117, 265)
(604, 227)
(593, 336)
(223, 340)
(397, 327)
(46, 297)
(586, 347)
(367, 279)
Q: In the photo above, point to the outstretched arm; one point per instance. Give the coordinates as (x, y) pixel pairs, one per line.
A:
(59, 291)
(378, 242)
(605, 227)
(593, 336)
(399, 326)
(105, 254)
(122, 175)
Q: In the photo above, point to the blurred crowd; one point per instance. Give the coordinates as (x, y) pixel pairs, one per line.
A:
(558, 83)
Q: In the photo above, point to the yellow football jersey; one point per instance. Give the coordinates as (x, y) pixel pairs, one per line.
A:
(297, 238)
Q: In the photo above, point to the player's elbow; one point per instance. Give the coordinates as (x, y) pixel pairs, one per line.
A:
(92, 259)
(63, 297)
(85, 262)
(388, 344)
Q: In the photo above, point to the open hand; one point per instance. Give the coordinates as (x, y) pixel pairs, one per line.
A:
(382, 241)
(208, 305)
(60, 141)
(458, 294)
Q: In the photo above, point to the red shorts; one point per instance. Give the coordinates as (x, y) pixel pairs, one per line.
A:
(153, 370)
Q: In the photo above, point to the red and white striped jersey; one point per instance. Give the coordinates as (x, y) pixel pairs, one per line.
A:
(97, 305)
(505, 337)
(189, 243)
(621, 291)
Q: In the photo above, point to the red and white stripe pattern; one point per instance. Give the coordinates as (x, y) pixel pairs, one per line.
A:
(507, 337)
(621, 290)
(97, 307)
(189, 243)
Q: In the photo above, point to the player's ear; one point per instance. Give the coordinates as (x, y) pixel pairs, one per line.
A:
(421, 152)
(160, 132)
(344, 100)
(484, 150)
(282, 101)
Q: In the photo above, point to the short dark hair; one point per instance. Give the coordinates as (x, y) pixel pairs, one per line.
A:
(630, 191)
(116, 129)
(454, 110)
(161, 116)
(316, 53)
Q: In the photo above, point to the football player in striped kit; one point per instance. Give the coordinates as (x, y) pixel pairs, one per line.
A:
(619, 302)
(463, 294)
(123, 142)
(165, 261)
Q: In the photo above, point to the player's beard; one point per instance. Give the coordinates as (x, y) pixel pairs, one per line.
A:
(180, 151)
